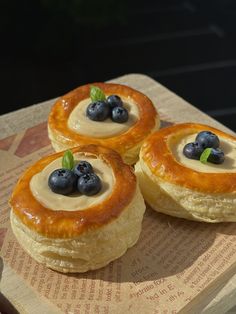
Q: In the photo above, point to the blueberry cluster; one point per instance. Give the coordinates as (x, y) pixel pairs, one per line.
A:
(205, 139)
(81, 179)
(112, 107)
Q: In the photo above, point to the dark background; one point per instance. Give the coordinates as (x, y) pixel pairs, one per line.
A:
(49, 47)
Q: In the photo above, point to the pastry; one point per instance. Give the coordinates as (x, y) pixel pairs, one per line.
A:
(72, 230)
(73, 122)
(189, 171)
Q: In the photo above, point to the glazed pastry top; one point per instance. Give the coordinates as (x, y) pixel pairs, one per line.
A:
(161, 154)
(147, 119)
(67, 223)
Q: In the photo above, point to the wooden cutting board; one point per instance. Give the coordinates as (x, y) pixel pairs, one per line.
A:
(176, 266)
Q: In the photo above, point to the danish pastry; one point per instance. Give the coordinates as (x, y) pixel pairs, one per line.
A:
(124, 130)
(189, 171)
(77, 232)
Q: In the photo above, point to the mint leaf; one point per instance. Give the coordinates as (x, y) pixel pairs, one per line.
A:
(205, 154)
(68, 160)
(96, 93)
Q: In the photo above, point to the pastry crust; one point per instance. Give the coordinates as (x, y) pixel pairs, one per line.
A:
(127, 143)
(76, 241)
(172, 188)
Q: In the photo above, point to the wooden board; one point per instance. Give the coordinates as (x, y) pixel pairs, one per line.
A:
(148, 278)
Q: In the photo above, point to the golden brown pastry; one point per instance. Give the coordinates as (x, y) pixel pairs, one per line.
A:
(78, 233)
(175, 185)
(68, 125)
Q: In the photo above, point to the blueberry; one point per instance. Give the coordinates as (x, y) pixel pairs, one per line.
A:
(208, 139)
(98, 111)
(114, 101)
(193, 150)
(83, 167)
(62, 181)
(89, 184)
(119, 115)
(216, 156)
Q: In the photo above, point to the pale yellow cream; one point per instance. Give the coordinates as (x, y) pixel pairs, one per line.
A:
(81, 124)
(228, 147)
(41, 191)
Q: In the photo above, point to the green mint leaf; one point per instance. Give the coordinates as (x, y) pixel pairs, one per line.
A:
(96, 93)
(205, 154)
(68, 160)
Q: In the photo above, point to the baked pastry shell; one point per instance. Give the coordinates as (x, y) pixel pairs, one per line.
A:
(67, 224)
(90, 250)
(63, 137)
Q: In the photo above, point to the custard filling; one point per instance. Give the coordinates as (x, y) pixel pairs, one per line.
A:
(228, 147)
(81, 124)
(44, 195)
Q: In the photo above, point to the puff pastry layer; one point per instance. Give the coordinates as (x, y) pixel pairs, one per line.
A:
(173, 188)
(127, 144)
(77, 241)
